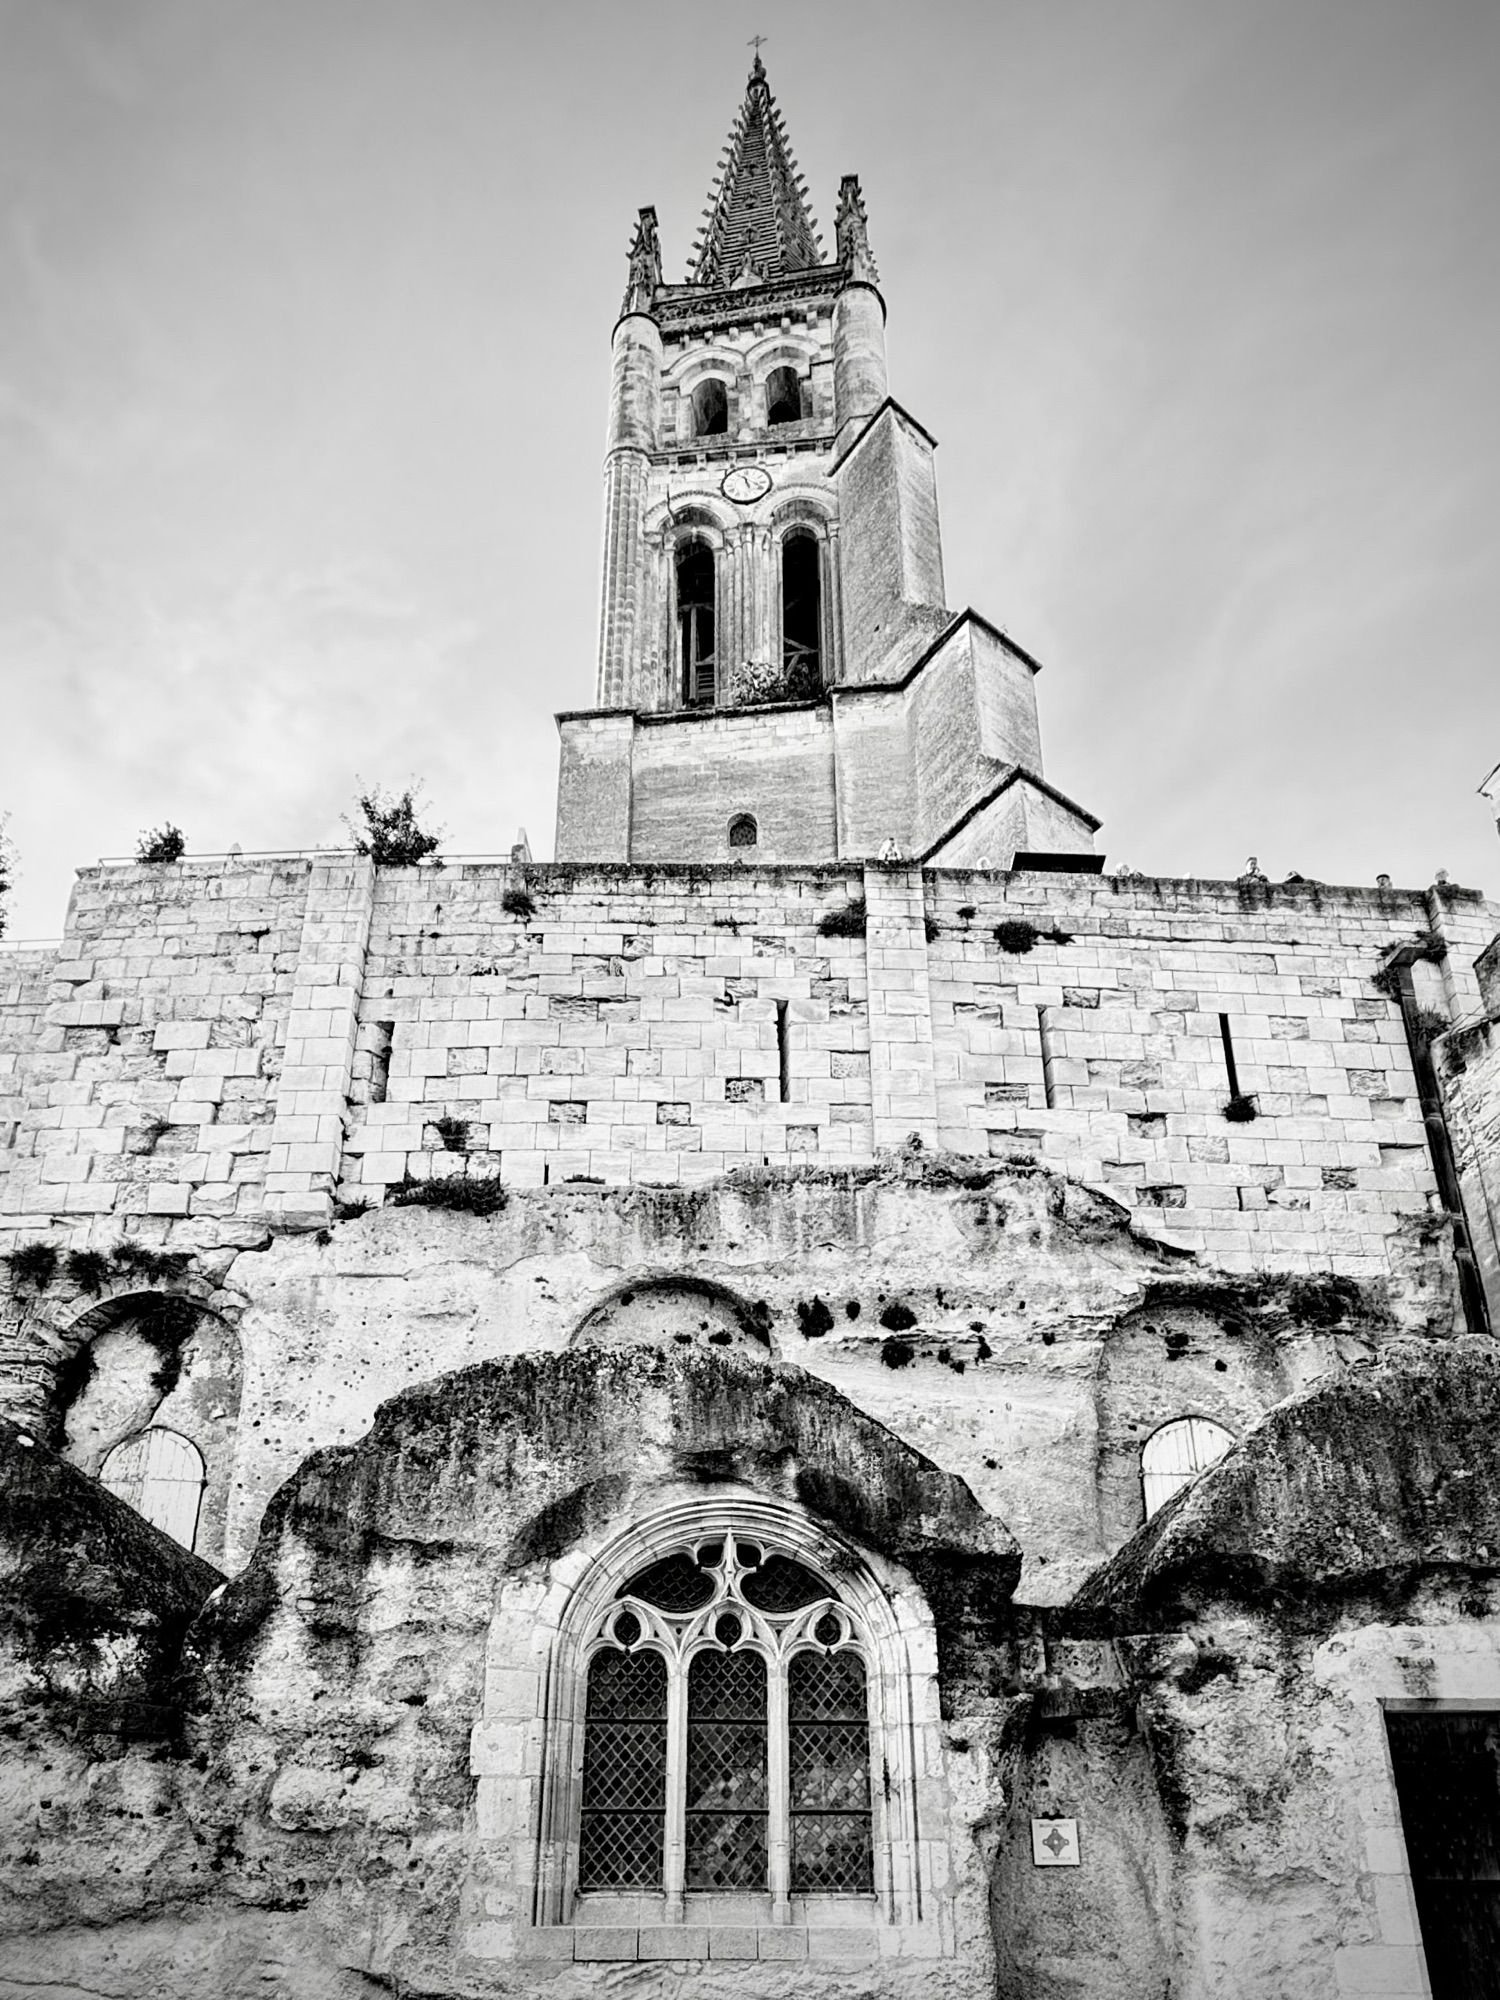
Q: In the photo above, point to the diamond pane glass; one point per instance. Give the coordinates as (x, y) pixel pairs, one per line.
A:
(726, 1772)
(624, 1772)
(783, 1585)
(831, 1852)
(829, 1769)
(674, 1584)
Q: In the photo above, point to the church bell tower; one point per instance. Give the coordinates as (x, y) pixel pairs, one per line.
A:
(779, 677)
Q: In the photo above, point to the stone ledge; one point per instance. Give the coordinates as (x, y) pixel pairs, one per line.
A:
(591, 1943)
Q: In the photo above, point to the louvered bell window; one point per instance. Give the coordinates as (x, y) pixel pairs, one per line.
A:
(746, 1634)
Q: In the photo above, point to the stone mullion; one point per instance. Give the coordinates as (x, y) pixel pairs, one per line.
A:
(674, 1836)
(778, 1793)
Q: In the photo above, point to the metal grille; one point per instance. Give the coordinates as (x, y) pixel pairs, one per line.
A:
(829, 1767)
(674, 1584)
(161, 1475)
(624, 1772)
(783, 1585)
(726, 1772)
(1174, 1456)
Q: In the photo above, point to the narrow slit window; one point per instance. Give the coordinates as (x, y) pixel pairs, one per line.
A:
(1231, 1070)
(783, 1052)
(381, 1039)
(695, 624)
(801, 615)
(1044, 1037)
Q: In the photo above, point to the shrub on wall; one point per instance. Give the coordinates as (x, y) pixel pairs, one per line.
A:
(389, 830)
(470, 1196)
(161, 844)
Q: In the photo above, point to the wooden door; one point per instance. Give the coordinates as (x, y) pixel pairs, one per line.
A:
(1447, 1768)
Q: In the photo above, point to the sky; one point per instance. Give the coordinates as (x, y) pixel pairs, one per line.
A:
(305, 309)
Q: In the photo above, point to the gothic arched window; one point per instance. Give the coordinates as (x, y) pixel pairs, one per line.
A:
(161, 1475)
(726, 1732)
(710, 408)
(1173, 1456)
(743, 831)
(783, 396)
(695, 623)
(801, 614)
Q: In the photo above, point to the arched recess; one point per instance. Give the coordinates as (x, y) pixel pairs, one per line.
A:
(146, 1359)
(669, 1311)
(1170, 1361)
(885, 1620)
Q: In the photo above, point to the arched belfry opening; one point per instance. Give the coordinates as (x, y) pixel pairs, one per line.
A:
(801, 614)
(695, 624)
(783, 397)
(710, 408)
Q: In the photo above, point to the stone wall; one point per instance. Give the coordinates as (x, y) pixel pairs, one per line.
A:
(25, 978)
(235, 1041)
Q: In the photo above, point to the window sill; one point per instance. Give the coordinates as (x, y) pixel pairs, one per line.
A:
(783, 1942)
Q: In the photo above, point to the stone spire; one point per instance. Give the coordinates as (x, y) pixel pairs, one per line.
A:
(757, 223)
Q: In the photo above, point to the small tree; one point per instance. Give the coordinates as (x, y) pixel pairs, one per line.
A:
(161, 843)
(388, 829)
(7, 866)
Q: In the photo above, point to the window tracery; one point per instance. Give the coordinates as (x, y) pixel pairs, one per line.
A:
(726, 1731)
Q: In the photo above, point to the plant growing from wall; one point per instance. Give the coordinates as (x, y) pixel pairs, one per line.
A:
(389, 829)
(139, 1260)
(453, 1133)
(1018, 936)
(479, 1196)
(7, 866)
(850, 921)
(1241, 1110)
(32, 1264)
(166, 1325)
(163, 843)
(89, 1270)
(516, 903)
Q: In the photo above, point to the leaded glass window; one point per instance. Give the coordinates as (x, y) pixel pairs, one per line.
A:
(828, 1743)
(726, 1770)
(624, 1769)
(726, 1732)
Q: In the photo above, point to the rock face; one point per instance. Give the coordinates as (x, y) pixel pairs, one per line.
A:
(283, 1778)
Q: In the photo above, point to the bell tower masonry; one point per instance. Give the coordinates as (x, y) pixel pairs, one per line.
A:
(780, 678)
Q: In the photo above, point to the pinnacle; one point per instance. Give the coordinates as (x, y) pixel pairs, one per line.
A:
(757, 219)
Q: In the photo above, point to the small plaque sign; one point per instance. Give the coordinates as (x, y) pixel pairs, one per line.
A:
(1054, 1843)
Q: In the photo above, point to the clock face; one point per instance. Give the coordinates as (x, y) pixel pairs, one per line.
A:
(745, 483)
